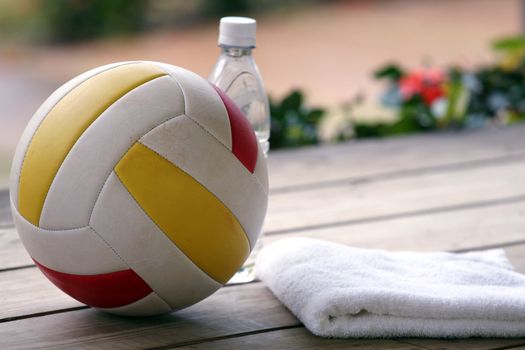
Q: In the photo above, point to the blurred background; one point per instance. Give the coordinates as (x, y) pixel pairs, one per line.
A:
(334, 69)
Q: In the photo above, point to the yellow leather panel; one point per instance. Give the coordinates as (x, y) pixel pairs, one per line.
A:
(65, 123)
(191, 216)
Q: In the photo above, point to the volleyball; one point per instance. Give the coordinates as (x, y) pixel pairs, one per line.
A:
(138, 188)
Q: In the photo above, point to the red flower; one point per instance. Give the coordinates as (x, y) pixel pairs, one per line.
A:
(426, 82)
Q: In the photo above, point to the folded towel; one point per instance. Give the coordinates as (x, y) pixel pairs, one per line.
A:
(339, 291)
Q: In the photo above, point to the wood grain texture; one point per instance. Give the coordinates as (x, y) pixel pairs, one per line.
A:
(300, 338)
(516, 255)
(19, 288)
(396, 195)
(231, 310)
(467, 344)
(455, 229)
(12, 252)
(295, 338)
(5, 212)
(376, 159)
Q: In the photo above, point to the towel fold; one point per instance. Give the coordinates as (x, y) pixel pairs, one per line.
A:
(340, 291)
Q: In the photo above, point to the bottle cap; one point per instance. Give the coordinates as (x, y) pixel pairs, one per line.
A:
(237, 31)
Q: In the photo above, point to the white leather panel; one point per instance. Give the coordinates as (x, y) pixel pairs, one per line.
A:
(80, 251)
(146, 249)
(203, 103)
(79, 179)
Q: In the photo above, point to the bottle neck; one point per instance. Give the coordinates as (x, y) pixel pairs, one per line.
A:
(233, 51)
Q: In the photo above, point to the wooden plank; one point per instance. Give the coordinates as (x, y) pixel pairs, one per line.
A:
(447, 230)
(300, 338)
(295, 338)
(231, 310)
(471, 343)
(356, 201)
(5, 211)
(27, 291)
(516, 255)
(13, 253)
(371, 158)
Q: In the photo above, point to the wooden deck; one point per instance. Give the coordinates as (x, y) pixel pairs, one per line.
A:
(450, 192)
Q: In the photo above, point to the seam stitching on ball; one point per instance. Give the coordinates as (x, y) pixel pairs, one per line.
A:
(123, 153)
(160, 229)
(98, 234)
(259, 183)
(176, 82)
(204, 186)
(124, 261)
(140, 206)
(209, 133)
(102, 188)
(50, 230)
(42, 228)
(110, 247)
(196, 122)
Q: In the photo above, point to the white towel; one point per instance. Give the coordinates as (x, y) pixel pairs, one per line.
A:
(339, 291)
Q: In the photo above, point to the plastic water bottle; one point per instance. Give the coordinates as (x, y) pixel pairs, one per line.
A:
(237, 75)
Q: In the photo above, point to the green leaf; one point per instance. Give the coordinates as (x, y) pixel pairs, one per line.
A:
(509, 43)
(294, 100)
(293, 123)
(390, 71)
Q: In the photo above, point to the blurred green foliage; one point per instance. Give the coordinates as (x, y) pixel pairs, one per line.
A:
(414, 117)
(214, 8)
(20, 20)
(492, 94)
(73, 20)
(500, 91)
(461, 99)
(293, 122)
(424, 100)
(390, 71)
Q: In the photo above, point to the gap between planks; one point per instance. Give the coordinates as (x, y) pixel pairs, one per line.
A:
(406, 214)
(366, 157)
(398, 174)
(224, 337)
